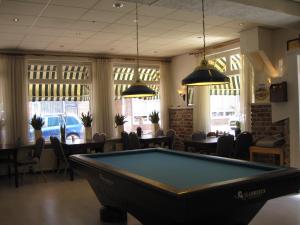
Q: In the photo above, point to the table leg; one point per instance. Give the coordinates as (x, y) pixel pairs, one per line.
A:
(185, 147)
(251, 156)
(281, 159)
(15, 160)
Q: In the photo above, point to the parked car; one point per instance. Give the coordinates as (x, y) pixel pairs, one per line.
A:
(52, 124)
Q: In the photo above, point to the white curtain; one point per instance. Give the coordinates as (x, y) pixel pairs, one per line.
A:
(201, 110)
(246, 97)
(102, 97)
(13, 98)
(164, 94)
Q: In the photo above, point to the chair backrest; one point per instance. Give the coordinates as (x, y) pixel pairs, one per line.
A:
(225, 146)
(160, 132)
(38, 148)
(172, 135)
(101, 139)
(125, 140)
(58, 149)
(200, 135)
(134, 142)
(243, 142)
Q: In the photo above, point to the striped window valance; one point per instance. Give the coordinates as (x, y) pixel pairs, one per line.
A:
(219, 63)
(42, 72)
(124, 76)
(75, 72)
(59, 92)
(45, 84)
(232, 88)
(123, 73)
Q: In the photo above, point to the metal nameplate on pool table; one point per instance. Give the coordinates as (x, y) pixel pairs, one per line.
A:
(249, 195)
(105, 180)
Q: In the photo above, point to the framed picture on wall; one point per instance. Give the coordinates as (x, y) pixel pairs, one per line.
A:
(293, 44)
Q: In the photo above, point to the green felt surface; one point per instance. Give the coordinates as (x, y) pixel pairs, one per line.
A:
(177, 170)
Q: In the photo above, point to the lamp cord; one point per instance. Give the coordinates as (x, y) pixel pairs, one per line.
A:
(203, 29)
(137, 41)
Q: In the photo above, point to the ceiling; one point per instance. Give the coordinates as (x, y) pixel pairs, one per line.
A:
(167, 27)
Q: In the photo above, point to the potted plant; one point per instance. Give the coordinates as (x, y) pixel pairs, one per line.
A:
(37, 123)
(120, 121)
(87, 123)
(237, 129)
(154, 118)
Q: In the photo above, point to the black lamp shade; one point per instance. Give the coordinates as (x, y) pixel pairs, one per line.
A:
(205, 75)
(138, 90)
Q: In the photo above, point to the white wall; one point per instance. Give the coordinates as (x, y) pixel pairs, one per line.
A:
(181, 66)
(288, 65)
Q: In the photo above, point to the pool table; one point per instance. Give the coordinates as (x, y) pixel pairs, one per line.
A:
(160, 186)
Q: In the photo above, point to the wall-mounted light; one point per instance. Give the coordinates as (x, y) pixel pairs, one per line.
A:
(182, 92)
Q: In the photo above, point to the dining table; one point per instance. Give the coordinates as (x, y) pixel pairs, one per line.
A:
(146, 140)
(81, 146)
(207, 145)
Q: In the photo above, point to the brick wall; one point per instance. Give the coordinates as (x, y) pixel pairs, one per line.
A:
(261, 126)
(181, 120)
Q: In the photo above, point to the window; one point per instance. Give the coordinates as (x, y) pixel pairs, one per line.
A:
(59, 92)
(136, 110)
(225, 99)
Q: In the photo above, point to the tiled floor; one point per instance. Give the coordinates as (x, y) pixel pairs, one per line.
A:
(61, 202)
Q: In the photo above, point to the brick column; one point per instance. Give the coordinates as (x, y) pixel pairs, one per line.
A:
(181, 120)
(262, 126)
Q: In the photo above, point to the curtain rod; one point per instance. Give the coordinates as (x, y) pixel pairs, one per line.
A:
(95, 56)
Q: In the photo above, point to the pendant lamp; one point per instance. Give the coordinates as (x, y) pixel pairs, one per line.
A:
(138, 89)
(205, 74)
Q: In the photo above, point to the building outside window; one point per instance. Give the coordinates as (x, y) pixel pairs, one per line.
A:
(136, 110)
(59, 92)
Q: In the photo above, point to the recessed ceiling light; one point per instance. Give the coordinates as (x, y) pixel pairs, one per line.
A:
(16, 19)
(118, 5)
(241, 24)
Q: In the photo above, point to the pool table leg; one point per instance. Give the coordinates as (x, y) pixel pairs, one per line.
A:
(112, 215)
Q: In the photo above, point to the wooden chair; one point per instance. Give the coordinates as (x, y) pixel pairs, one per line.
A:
(60, 155)
(125, 140)
(134, 142)
(225, 146)
(158, 133)
(101, 138)
(172, 135)
(242, 144)
(35, 158)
